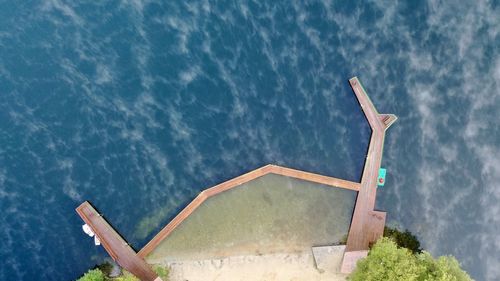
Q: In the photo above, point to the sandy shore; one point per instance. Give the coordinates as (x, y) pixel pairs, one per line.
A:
(298, 266)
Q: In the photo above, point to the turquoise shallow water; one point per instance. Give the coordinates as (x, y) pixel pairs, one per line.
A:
(271, 214)
(139, 105)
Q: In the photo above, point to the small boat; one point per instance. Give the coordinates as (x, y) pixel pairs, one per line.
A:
(97, 241)
(88, 230)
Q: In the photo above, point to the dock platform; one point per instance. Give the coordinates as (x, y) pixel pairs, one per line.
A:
(367, 224)
(115, 245)
(366, 227)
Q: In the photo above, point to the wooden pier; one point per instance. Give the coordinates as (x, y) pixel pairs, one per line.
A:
(115, 245)
(367, 225)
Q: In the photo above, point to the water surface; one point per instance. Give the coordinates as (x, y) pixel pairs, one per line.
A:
(137, 106)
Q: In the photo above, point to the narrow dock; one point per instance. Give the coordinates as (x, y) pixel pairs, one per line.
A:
(367, 225)
(115, 245)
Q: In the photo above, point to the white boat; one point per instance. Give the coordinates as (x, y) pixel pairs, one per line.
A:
(97, 242)
(88, 230)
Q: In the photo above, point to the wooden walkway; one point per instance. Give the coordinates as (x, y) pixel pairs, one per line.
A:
(207, 193)
(115, 245)
(367, 225)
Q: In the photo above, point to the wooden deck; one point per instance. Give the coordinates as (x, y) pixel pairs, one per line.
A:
(115, 245)
(207, 193)
(367, 225)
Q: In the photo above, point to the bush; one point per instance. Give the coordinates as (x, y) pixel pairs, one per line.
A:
(93, 275)
(445, 268)
(97, 274)
(127, 276)
(404, 239)
(161, 271)
(387, 261)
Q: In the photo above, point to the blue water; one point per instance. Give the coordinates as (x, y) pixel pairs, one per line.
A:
(136, 106)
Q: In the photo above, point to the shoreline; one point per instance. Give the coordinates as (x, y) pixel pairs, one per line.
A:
(269, 267)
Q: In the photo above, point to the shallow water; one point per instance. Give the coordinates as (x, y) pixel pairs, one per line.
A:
(271, 214)
(137, 106)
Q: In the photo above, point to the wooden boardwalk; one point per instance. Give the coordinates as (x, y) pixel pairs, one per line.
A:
(115, 245)
(367, 225)
(207, 193)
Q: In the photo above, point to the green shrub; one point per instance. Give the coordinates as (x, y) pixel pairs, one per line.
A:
(343, 240)
(97, 274)
(387, 261)
(126, 276)
(445, 268)
(161, 271)
(93, 275)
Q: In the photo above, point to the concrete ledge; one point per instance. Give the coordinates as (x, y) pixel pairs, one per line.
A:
(350, 260)
(328, 258)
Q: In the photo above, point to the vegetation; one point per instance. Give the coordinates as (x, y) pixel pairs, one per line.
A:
(106, 268)
(102, 271)
(161, 271)
(404, 239)
(387, 261)
(126, 276)
(93, 275)
(343, 240)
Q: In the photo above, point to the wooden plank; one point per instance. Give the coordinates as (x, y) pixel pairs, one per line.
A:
(387, 119)
(188, 210)
(367, 225)
(115, 245)
(375, 225)
(331, 181)
(237, 181)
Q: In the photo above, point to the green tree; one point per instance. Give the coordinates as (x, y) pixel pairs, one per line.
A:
(445, 268)
(93, 275)
(387, 261)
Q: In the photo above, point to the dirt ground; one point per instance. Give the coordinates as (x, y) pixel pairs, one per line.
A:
(282, 267)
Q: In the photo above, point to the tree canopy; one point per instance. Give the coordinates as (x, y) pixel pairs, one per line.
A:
(93, 275)
(387, 261)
